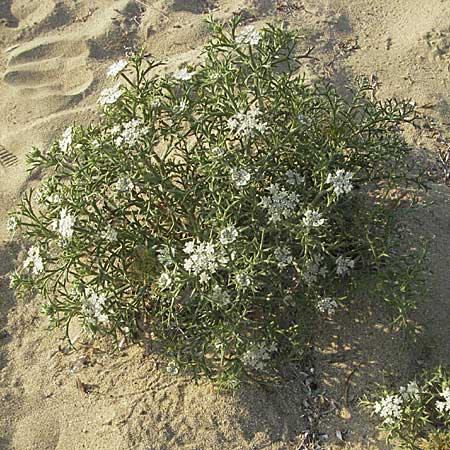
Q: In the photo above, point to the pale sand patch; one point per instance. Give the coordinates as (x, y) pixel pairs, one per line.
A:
(53, 61)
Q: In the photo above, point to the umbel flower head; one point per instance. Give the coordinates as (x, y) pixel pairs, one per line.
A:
(116, 68)
(110, 95)
(66, 140)
(65, 224)
(341, 182)
(248, 123)
(389, 408)
(34, 260)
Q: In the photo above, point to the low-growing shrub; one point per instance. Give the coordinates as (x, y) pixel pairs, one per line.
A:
(417, 417)
(219, 210)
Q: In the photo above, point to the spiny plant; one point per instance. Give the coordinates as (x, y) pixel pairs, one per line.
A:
(220, 210)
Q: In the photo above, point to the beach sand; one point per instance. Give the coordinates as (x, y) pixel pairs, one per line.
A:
(53, 59)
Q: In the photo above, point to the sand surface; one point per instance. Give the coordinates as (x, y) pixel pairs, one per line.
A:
(53, 58)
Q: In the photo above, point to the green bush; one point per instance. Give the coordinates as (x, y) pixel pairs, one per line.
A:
(220, 210)
(417, 416)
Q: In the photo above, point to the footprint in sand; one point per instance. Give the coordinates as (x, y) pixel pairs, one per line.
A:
(51, 69)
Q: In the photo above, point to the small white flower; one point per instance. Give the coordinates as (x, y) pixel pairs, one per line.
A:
(66, 223)
(294, 178)
(444, 406)
(172, 368)
(327, 306)
(248, 36)
(389, 408)
(228, 235)
(110, 234)
(344, 265)
(280, 204)
(313, 218)
(257, 356)
(240, 177)
(202, 260)
(220, 296)
(11, 224)
(189, 247)
(313, 269)
(341, 181)
(110, 95)
(283, 256)
(183, 74)
(411, 391)
(204, 278)
(34, 260)
(130, 132)
(66, 140)
(245, 124)
(116, 68)
(164, 281)
(123, 185)
(243, 280)
(94, 306)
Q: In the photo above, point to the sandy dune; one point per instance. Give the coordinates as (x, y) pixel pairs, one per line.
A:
(53, 58)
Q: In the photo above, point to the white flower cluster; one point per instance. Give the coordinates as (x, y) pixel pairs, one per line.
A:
(220, 297)
(280, 204)
(243, 280)
(444, 406)
(344, 265)
(202, 259)
(116, 68)
(245, 124)
(258, 355)
(410, 392)
(327, 306)
(164, 281)
(183, 74)
(313, 269)
(341, 181)
(65, 224)
(389, 408)
(313, 218)
(294, 178)
(228, 235)
(240, 177)
(110, 95)
(66, 140)
(249, 36)
(110, 234)
(94, 307)
(283, 256)
(34, 260)
(131, 132)
(123, 185)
